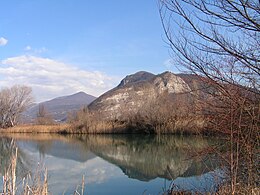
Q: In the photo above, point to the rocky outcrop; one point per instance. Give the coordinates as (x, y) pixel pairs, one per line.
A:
(136, 90)
(135, 78)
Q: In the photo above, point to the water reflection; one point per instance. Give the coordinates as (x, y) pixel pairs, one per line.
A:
(148, 157)
(6, 149)
(106, 160)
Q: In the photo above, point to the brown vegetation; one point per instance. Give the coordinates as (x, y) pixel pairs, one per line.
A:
(43, 117)
(13, 101)
(59, 128)
(85, 122)
(35, 184)
(219, 40)
(241, 189)
(30, 186)
(166, 114)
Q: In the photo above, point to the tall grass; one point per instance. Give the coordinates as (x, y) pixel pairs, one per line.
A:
(38, 185)
(9, 178)
(36, 129)
(241, 189)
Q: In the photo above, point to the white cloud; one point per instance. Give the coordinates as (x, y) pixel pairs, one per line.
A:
(27, 48)
(3, 41)
(50, 78)
(32, 50)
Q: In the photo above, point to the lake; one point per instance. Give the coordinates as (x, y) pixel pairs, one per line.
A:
(117, 164)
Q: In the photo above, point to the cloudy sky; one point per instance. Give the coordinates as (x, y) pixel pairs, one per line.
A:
(62, 47)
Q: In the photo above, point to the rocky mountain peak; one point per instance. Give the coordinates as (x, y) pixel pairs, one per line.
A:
(136, 90)
(171, 83)
(137, 77)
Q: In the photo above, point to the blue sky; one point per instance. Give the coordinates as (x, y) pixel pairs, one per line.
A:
(61, 47)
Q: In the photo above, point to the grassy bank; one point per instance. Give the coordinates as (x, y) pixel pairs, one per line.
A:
(36, 129)
(97, 127)
(107, 127)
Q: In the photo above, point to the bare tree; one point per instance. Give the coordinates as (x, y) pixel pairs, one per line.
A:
(220, 40)
(13, 101)
(215, 38)
(43, 116)
(41, 111)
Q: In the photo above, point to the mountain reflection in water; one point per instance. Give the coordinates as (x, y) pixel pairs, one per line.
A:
(147, 157)
(101, 157)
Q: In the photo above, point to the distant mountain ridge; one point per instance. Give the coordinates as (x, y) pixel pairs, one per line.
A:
(60, 106)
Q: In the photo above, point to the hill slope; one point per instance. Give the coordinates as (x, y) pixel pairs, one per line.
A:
(59, 107)
(136, 90)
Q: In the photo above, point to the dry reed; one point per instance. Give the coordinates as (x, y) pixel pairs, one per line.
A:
(241, 189)
(29, 186)
(36, 129)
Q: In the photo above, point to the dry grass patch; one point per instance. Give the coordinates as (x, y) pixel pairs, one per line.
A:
(36, 129)
(38, 185)
(240, 189)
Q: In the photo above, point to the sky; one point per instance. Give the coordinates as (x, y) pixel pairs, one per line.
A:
(63, 47)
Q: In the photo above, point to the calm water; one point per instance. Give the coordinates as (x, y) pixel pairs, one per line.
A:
(116, 164)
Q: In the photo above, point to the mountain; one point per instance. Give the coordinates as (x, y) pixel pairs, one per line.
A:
(60, 106)
(137, 77)
(136, 90)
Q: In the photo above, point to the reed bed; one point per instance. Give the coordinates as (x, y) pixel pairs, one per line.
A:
(36, 129)
(88, 124)
(241, 189)
(31, 184)
(75, 128)
(38, 185)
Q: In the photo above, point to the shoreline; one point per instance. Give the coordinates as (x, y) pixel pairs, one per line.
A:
(67, 129)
